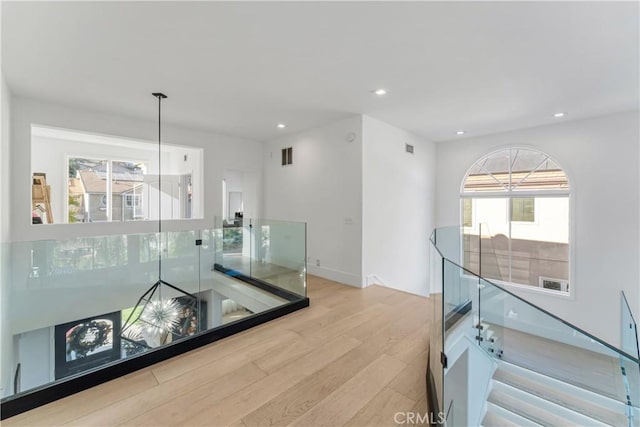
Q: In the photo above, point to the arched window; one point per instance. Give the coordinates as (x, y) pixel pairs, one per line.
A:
(514, 210)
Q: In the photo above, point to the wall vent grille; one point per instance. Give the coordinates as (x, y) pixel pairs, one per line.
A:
(287, 156)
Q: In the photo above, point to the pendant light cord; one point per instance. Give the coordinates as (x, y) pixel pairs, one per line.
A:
(160, 97)
(160, 186)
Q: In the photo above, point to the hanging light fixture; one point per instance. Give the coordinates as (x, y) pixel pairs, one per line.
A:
(158, 316)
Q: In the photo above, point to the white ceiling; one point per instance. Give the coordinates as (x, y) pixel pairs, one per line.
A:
(241, 68)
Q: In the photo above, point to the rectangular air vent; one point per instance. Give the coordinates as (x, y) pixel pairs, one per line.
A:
(554, 284)
(408, 148)
(287, 156)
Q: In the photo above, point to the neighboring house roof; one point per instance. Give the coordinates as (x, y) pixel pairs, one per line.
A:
(552, 179)
(95, 181)
(75, 187)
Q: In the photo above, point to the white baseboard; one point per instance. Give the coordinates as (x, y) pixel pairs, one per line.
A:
(336, 275)
(372, 279)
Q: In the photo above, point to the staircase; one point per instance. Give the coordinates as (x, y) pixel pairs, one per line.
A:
(521, 397)
(488, 339)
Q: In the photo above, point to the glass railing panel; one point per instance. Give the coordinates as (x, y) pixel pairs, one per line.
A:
(85, 291)
(217, 245)
(449, 242)
(211, 245)
(279, 254)
(235, 245)
(181, 258)
(629, 337)
(631, 381)
(457, 291)
(458, 323)
(630, 370)
(531, 338)
(494, 254)
(468, 371)
(507, 327)
(76, 305)
(489, 235)
(435, 372)
(178, 293)
(484, 253)
(491, 318)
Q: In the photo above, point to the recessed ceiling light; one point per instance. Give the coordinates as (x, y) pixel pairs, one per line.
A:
(281, 126)
(460, 132)
(380, 92)
(558, 115)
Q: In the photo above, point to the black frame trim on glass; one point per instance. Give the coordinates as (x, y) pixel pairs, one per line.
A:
(18, 404)
(289, 296)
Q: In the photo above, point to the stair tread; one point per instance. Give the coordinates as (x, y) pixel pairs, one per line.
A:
(491, 419)
(552, 394)
(528, 410)
(497, 416)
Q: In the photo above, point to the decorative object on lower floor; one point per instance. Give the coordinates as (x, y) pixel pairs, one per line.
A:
(155, 321)
(87, 343)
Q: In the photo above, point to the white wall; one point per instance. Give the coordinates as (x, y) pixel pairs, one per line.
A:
(37, 358)
(233, 181)
(323, 187)
(600, 156)
(398, 207)
(220, 152)
(6, 342)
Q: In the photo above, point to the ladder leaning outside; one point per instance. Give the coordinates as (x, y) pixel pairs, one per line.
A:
(41, 196)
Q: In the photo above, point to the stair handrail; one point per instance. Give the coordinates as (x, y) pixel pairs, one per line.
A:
(501, 288)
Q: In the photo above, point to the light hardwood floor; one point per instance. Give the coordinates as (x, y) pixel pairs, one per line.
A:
(355, 357)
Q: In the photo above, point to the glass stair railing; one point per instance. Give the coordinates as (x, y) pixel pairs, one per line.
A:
(78, 311)
(506, 361)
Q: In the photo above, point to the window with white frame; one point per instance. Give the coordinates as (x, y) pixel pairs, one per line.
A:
(132, 200)
(105, 190)
(99, 178)
(515, 213)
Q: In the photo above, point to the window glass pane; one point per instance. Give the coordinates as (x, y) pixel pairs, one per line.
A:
(535, 171)
(541, 180)
(523, 160)
(467, 212)
(87, 190)
(89, 193)
(489, 174)
(540, 250)
(75, 202)
(486, 245)
(523, 209)
(127, 181)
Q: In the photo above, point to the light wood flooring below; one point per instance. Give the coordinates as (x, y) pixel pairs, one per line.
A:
(355, 357)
